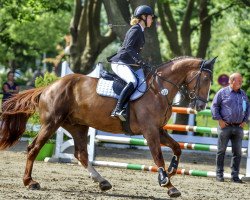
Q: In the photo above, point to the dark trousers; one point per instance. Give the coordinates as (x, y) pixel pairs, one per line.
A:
(235, 134)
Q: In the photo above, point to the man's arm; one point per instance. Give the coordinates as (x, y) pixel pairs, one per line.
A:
(215, 109)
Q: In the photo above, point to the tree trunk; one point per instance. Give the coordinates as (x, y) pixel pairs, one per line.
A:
(118, 16)
(87, 42)
(186, 30)
(169, 27)
(205, 31)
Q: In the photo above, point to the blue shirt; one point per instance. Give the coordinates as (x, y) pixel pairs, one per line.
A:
(230, 106)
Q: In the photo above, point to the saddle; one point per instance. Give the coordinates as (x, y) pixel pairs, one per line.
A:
(111, 85)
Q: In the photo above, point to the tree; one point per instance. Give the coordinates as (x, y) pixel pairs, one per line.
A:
(26, 29)
(231, 44)
(87, 40)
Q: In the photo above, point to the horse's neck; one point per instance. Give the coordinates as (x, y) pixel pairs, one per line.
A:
(175, 77)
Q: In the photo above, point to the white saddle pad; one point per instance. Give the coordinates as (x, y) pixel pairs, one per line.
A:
(104, 87)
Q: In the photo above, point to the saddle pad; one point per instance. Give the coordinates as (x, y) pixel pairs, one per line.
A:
(105, 87)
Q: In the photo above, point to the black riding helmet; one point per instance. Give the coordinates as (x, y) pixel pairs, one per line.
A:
(144, 10)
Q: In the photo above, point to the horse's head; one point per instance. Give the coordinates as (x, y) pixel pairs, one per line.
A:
(198, 84)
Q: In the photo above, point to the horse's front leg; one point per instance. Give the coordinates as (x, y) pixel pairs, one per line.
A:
(170, 142)
(153, 140)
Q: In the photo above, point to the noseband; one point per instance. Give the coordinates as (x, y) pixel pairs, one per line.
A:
(193, 93)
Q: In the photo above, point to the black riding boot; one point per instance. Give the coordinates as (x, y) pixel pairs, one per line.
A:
(124, 96)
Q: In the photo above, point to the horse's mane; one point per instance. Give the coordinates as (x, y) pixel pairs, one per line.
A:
(176, 59)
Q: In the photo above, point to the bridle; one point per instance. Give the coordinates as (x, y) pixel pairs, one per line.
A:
(193, 93)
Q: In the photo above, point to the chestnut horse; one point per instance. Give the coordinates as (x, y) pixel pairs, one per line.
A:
(72, 103)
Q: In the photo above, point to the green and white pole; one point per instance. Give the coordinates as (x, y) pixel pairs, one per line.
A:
(155, 169)
(143, 142)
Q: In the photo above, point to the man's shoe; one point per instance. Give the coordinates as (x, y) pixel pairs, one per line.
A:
(236, 180)
(219, 178)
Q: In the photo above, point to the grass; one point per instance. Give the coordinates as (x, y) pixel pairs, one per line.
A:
(206, 121)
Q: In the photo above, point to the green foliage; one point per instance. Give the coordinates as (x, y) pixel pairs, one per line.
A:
(230, 42)
(30, 134)
(35, 119)
(45, 80)
(27, 31)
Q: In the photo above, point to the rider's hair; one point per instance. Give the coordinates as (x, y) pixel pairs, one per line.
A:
(134, 21)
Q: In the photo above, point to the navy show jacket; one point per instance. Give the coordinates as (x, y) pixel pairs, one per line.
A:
(131, 47)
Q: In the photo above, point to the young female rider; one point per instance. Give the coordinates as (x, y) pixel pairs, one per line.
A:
(128, 58)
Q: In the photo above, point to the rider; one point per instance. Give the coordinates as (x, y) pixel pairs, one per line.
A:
(128, 58)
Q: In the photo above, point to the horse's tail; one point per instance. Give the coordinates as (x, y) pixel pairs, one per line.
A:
(15, 114)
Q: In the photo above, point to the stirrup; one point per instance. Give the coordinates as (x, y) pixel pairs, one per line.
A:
(114, 113)
(119, 114)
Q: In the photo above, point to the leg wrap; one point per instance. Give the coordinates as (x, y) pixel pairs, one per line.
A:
(173, 165)
(162, 177)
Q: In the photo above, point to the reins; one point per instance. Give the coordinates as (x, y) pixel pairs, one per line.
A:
(192, 94)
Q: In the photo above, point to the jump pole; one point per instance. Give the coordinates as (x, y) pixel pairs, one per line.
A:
(198, 129)
(143, 142)
(183, 110)
(154, 169)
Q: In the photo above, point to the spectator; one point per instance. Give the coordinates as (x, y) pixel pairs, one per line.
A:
(9, 87)
(230, 107)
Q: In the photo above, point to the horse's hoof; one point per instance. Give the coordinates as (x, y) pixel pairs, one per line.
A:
(173, 192)
(105, 185)
(34, 186)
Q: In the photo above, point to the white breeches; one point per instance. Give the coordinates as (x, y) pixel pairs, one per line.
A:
(123, 71)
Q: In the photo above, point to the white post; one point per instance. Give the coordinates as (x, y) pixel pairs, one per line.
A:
(247, 177)
(59, 141)
(91, 144)
(176, 100)
(191, 118)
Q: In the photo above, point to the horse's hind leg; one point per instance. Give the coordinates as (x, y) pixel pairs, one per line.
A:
(47, 130)
(172, 169)
(80, 136)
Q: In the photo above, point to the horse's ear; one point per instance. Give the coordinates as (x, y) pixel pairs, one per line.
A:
(210, 63)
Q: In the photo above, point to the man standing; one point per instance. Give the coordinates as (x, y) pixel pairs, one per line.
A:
(230, 107)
